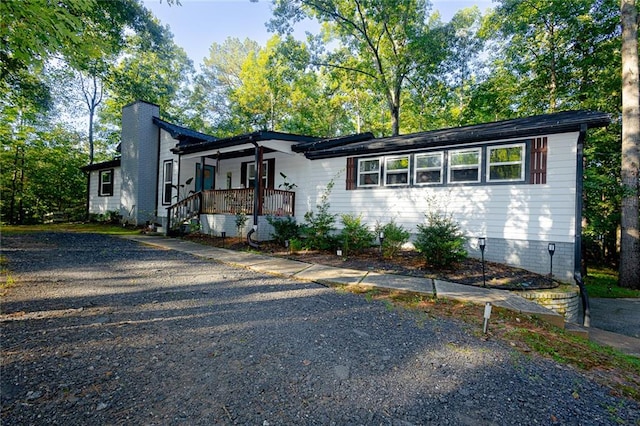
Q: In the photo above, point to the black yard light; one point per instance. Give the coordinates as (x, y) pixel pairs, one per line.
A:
(223, 234)
(286, 245)
(482, 243)
(552, 249)
(381, 238)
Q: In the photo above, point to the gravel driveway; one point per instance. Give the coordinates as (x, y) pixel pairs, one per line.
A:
(101, 330)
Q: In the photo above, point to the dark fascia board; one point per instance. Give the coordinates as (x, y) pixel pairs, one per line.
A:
(561, 122)
(104, 165)
(322, 144)
(239, 140)
(183, 134)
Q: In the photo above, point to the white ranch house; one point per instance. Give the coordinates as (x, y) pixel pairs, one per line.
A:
(517, 183)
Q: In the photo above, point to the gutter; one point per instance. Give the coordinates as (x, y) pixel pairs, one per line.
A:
(577, 249)
(256, 193)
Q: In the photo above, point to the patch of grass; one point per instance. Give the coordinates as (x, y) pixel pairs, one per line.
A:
(6, 280)
(93, 228)
(603, 282)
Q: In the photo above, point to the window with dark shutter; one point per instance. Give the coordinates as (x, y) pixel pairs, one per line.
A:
(351, 174)
(538, 161)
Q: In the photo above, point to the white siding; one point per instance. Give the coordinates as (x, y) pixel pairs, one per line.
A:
(166, 143)
(99, 204)
(513, 211)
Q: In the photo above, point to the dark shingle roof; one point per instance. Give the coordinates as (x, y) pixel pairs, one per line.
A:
(183, 134)
(561, 122)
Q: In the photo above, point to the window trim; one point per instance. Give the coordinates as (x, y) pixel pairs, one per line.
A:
(522, 162)
(166, 182)
(417, 169)
(101, 183)
(451, 168)
(359, 173)
(406, 172)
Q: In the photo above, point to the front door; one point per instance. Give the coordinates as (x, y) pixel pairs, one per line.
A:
(209, 177)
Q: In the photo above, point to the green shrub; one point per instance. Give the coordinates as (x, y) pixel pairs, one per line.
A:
(440, 241)
(318, 227)
(284, 228)
(354, 236)
(241, 221)
(395, 236)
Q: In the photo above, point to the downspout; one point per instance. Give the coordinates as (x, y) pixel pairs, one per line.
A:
(256, 193)
(577, 249)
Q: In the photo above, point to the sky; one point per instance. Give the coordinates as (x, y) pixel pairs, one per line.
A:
(196, 24)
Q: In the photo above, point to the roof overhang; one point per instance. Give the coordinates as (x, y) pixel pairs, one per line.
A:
(101, 166)
(271, 141)
(561, 122)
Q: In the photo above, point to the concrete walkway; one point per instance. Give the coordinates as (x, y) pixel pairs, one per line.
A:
(328, 275)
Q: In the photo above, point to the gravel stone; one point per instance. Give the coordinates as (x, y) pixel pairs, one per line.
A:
(102, 330)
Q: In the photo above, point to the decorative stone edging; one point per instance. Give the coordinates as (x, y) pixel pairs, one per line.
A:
(565, 300)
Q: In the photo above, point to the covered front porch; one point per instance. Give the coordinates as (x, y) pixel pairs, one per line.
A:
(269, 202)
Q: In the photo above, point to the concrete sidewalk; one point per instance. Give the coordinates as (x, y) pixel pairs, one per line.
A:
(328, 275)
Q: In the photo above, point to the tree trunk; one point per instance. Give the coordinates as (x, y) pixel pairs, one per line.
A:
(630, 235)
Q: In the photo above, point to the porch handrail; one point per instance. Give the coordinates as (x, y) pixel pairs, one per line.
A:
(184, 210)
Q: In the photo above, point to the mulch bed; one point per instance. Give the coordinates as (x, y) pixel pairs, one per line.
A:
(408, 262)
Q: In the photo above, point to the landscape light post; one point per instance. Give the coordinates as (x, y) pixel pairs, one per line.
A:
(223, 234)
(381, 238)
(482, 243)
(552, 249)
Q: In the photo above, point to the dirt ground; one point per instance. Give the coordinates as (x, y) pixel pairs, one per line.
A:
(408, 262)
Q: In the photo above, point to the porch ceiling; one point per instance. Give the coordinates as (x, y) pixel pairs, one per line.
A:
(275, 141)
(244, 150)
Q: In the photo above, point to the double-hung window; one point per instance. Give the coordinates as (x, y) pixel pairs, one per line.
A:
(105, 186)
(369, 172)
(428, 168)
(464, 165)
(505, 163)
(167, 182)
(396, 170)
(251, 175)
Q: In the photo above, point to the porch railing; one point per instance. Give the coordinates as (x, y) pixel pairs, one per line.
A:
(183, 210)
(273, 202)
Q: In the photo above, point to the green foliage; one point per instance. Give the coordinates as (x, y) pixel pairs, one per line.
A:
(380, 46)
(284, 228)
(319, 227)
(603, 282)
(354, 236)
(41, 174)
(395, 236)
(440, 241)
(110, 217)
(240, 221)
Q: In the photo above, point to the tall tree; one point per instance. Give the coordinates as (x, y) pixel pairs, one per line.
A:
(630, 229)
(156, 72)
(219, 77)
(385, 41)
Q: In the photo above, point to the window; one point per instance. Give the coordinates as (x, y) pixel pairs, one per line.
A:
(428, 168)
(251, 175)
(505, 163)
(369, 172)
(248, 173)
(167, 182)
(396, 170)
(464, 165)
(105, 186)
